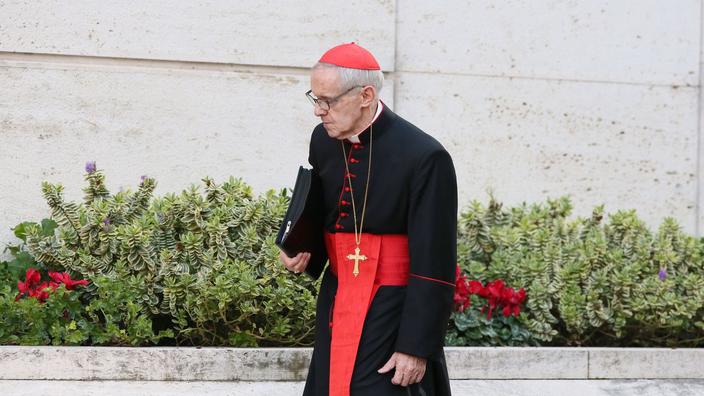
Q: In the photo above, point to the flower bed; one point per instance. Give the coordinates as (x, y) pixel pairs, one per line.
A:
(589, 281)
(200, 268)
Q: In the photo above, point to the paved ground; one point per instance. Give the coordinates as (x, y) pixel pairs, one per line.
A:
(460, 388)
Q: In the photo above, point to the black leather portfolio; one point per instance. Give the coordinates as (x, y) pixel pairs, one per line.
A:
(302, 227)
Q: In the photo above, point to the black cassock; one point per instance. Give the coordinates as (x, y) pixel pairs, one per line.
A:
(412, 191)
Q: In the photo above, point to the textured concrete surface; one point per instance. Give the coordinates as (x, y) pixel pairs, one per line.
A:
(154, 364)
(600, 40)
(459, 388)
(700, 203)
(523, 363)
(624, 145)
(291, 364)
(578, 388)
(273, 33)
(149, 388)
(646, 363)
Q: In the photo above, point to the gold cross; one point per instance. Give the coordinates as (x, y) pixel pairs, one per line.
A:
(356, 257)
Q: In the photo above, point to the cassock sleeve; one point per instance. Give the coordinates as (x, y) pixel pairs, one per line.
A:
(318, 259)
(432, 245)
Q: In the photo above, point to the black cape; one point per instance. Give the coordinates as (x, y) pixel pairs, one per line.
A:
(412, 191)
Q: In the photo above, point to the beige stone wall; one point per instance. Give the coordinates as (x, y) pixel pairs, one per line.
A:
(534, 99)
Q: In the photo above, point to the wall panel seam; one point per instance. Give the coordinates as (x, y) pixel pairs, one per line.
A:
(545, 78)
(697, 212)
(98, 61)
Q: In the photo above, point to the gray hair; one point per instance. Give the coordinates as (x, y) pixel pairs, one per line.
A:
(356, 77)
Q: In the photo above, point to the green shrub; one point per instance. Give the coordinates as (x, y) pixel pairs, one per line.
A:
(115, 317)
(473, 328)
(476, 326)
(58, 321)
(203, 264)
(590, 282)
(201, 268)
(11, 271)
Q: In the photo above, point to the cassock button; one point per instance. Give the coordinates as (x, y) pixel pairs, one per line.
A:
(347, 189)
(354, 161)
(343, 214)
(343, 202)
(350, 175)
(338, 226)
(356, 146)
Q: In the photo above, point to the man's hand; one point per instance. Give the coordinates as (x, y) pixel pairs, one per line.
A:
(295, 264)
(409, 369)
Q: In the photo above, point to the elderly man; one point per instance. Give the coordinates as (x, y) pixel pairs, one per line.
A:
(389, 196)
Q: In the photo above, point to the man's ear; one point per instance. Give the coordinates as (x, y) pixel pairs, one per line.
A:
(368, 94)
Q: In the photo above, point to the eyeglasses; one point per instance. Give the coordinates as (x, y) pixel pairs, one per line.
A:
(326, 104)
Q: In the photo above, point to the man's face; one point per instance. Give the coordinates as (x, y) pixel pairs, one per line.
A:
(345, 114)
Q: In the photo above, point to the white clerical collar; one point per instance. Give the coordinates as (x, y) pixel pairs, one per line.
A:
(355, 138)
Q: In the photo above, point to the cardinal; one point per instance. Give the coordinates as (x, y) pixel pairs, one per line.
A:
(389, 204)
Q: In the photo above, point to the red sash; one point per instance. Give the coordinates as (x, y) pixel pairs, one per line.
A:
(386, 264)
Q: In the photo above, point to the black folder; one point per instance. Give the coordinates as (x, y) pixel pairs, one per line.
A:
(302, 227)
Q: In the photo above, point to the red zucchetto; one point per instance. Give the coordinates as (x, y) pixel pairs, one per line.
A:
(351, 56)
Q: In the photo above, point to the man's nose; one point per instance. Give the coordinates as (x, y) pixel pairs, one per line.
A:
(318, 111)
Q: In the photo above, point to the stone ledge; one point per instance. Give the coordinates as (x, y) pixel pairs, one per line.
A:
(517, 363)
(502, 387)
(291, 364)
(623, 363)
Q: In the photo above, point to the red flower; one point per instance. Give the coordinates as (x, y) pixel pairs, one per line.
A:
(495, 289)
(476, 287)
(31, 280)
(498, 296)
(493, 292)
(462, 292)
(65, 278)
(40, 292)
(512, 300)
(22, 287)
(32, 277)
(32, 288)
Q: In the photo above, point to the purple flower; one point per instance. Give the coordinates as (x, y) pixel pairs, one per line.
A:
(142, 179)
(106, 222)
(662, 274)
(90, 167)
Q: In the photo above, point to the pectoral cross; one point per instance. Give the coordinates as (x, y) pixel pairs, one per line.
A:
(356, 257)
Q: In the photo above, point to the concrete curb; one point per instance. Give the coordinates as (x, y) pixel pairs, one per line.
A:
(291, 364)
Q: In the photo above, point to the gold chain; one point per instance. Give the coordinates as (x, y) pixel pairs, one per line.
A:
(358, 235)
